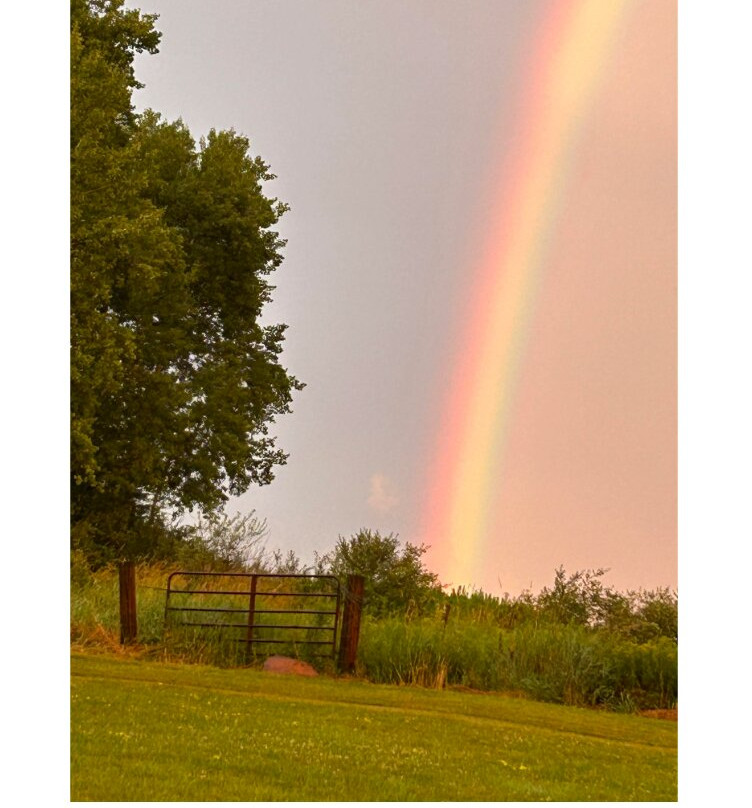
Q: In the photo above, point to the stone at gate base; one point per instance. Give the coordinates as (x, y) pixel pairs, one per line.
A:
(283, 664)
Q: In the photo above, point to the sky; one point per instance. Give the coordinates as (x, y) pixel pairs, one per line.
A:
(480, 279)
(715, 395)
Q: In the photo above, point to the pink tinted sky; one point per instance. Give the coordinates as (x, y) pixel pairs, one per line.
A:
(384, 123)
(589, 475)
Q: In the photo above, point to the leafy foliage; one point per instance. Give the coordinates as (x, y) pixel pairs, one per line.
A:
(580, 598)
(397, 581)
(174, 381)
(577, 599)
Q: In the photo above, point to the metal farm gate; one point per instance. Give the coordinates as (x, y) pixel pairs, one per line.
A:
(260, 609)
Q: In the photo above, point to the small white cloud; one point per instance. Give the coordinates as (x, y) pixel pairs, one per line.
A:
(382, 496)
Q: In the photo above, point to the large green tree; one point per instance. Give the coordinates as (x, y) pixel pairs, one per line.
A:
(174, 380)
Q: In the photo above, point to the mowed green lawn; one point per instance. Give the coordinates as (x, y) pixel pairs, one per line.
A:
(147, 731)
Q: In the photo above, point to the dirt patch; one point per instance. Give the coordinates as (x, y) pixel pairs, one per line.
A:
(281, 664)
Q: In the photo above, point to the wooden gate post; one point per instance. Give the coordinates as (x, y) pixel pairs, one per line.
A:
(348, 641)
(128, 625)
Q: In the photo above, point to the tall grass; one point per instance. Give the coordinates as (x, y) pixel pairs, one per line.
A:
(568, 664)
(481, 643)
(94, 603)
(95, 620)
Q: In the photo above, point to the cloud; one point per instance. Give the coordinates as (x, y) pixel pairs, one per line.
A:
(381, 496)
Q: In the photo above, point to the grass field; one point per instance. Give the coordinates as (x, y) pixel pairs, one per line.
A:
(148, 731)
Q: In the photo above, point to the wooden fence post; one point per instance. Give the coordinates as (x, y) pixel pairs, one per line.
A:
(348, 641)
(128, 624)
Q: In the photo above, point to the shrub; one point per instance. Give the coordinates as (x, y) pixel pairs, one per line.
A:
(222, 543)
(397, 582)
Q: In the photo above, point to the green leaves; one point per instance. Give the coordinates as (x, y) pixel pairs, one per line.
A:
(396, 580)
(173, 380)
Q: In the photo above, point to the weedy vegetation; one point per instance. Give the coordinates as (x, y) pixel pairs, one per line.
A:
(577, 642)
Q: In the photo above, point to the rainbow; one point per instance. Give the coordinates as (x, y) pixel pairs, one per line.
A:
(571, 49)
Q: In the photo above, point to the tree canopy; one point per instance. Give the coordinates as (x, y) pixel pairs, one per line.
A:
(174, 380)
